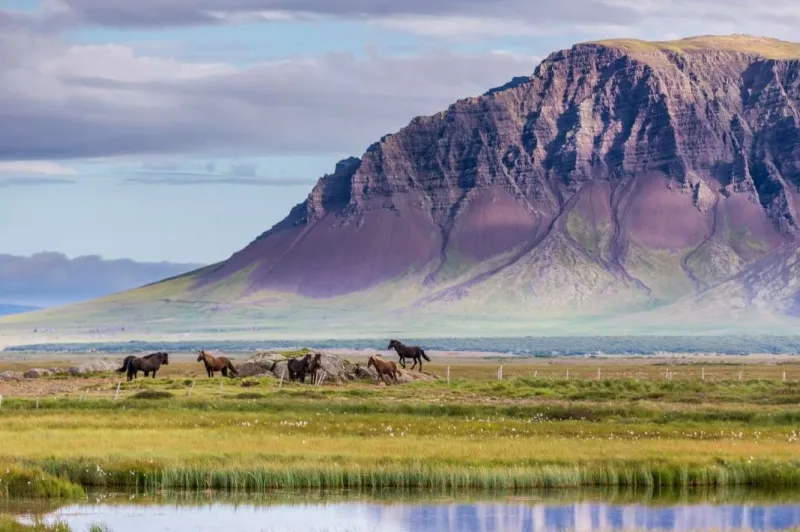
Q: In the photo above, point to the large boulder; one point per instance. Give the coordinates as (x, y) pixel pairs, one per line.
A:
(93, 366)
(335, 368)
(267, 359)
(261, 365)
(35, 373)
(281, 368)
(10, 376)
(253, 369)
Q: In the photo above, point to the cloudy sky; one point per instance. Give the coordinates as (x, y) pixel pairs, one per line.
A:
(178, 130)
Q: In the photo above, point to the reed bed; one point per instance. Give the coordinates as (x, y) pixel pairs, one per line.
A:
(418, 475)
(533, 429)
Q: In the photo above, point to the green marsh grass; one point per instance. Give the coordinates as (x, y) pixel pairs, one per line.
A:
(9, 524)
(32, 483)
(632, 427)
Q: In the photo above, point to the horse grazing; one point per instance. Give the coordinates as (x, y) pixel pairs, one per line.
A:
(300, 367)
(152, 362)
(221, 364)
(404, 352)
(383, 367)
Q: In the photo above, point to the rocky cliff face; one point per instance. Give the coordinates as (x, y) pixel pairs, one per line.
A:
(621, 174)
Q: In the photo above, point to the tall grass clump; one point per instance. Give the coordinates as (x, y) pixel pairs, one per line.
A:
(16, 482)
(434, 476)
(8, 524)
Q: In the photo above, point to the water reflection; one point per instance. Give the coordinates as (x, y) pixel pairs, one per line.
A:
(448, 517)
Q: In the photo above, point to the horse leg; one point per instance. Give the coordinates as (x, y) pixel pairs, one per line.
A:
(415, 362)
(403, 362)
(224, 372)
(154, 373)
(420, 363)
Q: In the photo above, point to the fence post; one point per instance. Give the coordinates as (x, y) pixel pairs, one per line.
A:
(784, 376)
(567, 374)
(37, 403)
(448, 374)
(1, 401)
(189, 391)
(280, 384)
(703, 374)
(116, 394)
(740, 375)
(500, 373)
(221, 384)
(598, 373)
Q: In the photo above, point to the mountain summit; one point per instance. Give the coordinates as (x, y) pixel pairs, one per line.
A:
(655, 184)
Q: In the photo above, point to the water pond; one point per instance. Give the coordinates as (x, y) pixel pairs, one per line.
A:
(387, 512)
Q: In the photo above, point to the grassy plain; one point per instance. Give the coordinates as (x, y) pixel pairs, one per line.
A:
(643, 422)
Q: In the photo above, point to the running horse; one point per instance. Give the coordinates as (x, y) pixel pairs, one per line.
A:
(383, 367)
(415, 353)
(152, 362)
(221, 364)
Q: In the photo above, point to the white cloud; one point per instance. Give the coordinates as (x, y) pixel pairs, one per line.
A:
(439, 18)
(35, 167)
(460, 27)
(60, 101)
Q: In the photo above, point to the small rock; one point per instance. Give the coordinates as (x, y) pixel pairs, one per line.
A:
(36, 373)
(93, 366)
(10, 376)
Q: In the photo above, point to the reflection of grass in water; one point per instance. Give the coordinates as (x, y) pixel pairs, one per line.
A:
(611, 495)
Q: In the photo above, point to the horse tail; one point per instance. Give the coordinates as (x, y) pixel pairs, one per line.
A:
(125, 362)
(421, 352)
(230, 367)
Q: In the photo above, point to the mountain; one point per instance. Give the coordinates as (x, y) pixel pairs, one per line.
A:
(6, 310)
(625, 187)
(48, 278)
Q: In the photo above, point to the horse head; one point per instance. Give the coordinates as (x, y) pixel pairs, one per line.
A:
(371, 362)
(165, 358)
(393, 344)
(315, 361)
(201, 355)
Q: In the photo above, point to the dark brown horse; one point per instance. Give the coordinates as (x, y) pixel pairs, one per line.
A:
(221, 364)
(300, 367)
(383, 367)
(152, 362)
(404, 352)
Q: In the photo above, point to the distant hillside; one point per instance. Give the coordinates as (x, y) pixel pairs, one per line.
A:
(623, 188)
(49, 279)
(14, 309)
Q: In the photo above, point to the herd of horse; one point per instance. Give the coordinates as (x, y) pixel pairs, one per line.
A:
(299, 367)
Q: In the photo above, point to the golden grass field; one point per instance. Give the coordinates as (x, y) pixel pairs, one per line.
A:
(676, 421)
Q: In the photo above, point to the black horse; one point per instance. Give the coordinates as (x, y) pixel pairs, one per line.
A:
(300, 367)
(152, 362)
(404, 352)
